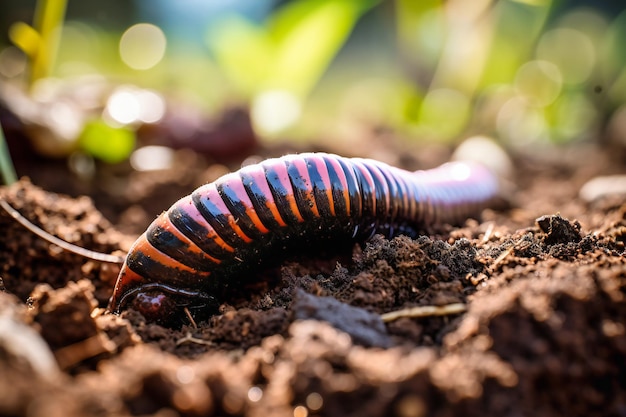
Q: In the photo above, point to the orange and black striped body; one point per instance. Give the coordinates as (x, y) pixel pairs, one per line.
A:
(223, 229)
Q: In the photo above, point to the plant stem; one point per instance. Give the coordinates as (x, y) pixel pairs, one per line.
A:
(48, 22)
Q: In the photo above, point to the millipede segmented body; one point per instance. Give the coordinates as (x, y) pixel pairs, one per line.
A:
(207, 240)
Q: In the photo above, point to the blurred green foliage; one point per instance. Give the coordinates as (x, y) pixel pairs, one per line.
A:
(105, 142)
(525, 72)
(289, 51)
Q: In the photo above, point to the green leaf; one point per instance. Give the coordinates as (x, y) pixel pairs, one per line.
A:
(291, 51)
(107, 143)
(308, 34)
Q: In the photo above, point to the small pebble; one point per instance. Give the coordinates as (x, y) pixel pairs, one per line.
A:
(365, 328)
(603, 186)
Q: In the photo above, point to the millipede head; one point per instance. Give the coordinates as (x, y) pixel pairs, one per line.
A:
(160, 303)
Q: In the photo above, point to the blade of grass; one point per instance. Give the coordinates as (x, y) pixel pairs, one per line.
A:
(6, 164)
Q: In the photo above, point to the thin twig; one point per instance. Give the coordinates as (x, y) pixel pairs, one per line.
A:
(505, 254)
(424, 311)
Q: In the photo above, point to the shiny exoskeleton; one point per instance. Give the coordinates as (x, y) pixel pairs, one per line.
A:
(208, 240)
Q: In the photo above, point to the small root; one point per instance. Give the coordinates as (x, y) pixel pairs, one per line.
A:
(190, 317)
(488, 232)
(190, 339)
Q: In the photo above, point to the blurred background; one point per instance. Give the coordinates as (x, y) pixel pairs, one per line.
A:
(128, 82)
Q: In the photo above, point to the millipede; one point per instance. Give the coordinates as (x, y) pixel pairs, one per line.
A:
(207, 242)
(223, 230)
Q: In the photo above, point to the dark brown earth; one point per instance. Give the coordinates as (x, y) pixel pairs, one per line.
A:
(543, 283)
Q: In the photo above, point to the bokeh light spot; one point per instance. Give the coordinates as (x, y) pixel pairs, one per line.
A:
(539, 82)
(185, 374)
(82, 165)
(123, 107)
(255, 394)
(64, 119)
(520, 124)
(314, 401)
(274, 111)
(12, 62)
(152, 106)
(593, 23)
(152, 158)
(444, 112)
(142, 46)
(128, 104)
(574, 115)
(571, 51)
(300, 411)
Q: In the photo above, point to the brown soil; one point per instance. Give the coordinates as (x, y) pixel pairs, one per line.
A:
(543, 333)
